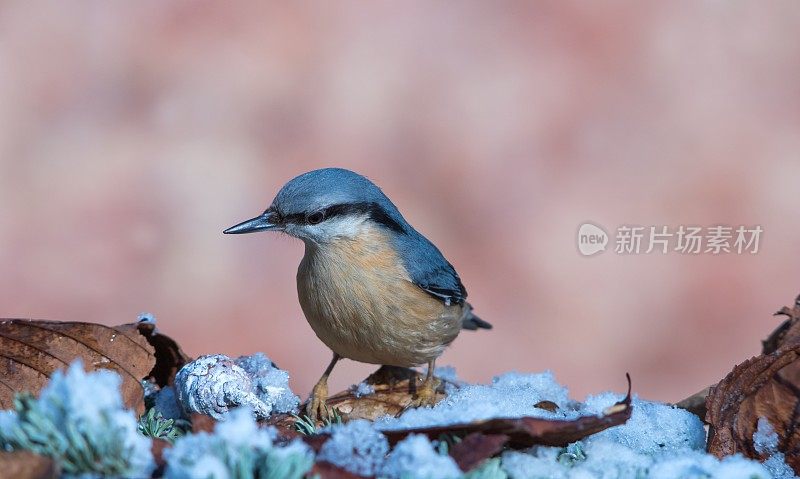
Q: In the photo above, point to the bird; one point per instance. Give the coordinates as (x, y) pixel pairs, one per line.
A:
(373, 289)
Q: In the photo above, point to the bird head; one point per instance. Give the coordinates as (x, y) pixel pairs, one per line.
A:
(323, 205)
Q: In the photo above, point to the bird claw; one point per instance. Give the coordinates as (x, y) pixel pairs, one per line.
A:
(425, 397)
(317, 408)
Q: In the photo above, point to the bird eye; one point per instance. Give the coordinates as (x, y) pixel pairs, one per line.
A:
(316, 217)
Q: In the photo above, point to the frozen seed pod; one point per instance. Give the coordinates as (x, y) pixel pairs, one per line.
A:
(215, 384)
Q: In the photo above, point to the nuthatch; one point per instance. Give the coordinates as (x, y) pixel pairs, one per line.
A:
(372, 288)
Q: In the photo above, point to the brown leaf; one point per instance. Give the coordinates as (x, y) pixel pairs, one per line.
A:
(788, 330)
(529, 431)
(326, 470)
(476, 448)
(27, 465)
(696, 403)
(547, 406)
(394, 387)
(765, 386)
(31, 351)
(157, 448)
(202, 423)
(170, 358)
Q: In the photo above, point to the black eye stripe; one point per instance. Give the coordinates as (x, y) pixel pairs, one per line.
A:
(373, 210)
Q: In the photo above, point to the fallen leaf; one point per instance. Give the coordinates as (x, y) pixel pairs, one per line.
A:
(326, 470)
(202, 423)
(765, 386)
(530, 431)
(157, 448)
(696, 403)
(170, 358)
(394, 387)
(788, 330)
(547, 406)
(27, 465)
(31, 351)
(476, 448)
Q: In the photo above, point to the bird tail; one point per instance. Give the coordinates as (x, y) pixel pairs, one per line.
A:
(471, 321)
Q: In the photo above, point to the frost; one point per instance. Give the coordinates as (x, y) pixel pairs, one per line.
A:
(652, 428)
(215, 384)
(490, 469)
(607, 460)
(415, 457)
(146, 318)
(659, 441)
(356, 447)
(697, 464)
(362, 389)
(79, 420)
(509, 395)
(765, 441)
(271, 384)
(237, 449)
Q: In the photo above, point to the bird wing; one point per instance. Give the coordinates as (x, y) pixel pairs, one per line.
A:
(429, 269)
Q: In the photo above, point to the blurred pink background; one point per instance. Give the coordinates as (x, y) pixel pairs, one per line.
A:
(133, 133)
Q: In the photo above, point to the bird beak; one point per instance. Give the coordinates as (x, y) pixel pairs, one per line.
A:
(259, 223)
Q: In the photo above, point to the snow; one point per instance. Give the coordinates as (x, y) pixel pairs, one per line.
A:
(608, 460)
(659, 441)
(355, 446)
(765, 441)
(415, 456)
(271, 383)
(146, 318)
(237, 445)
(362, 389)
(215, 384)
(509, 395)
(652, 428)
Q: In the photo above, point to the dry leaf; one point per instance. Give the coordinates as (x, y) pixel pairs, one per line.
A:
(33, 350)
(27, 465)
(765, 386)
(788, 330)
(170, 358)
(326, 470)
(530, 431)
(476, 448)
(393, 389)
(395, 386)
(696, 403)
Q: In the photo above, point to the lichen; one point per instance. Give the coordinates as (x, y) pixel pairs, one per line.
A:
(79, 421)
(238, 449)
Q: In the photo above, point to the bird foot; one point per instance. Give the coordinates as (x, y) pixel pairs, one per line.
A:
(316, 407)
(425, 396)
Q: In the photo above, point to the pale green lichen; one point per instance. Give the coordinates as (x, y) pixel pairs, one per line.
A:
(79, 421)
(238, 449)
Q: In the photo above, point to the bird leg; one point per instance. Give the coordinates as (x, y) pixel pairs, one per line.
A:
(426, 393)
(316, 407)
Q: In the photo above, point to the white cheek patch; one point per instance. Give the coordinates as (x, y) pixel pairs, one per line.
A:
(344, 226)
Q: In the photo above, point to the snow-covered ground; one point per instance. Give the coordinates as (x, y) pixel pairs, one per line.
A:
(81, 414)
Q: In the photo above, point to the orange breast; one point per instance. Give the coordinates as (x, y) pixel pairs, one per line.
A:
(360, 301)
